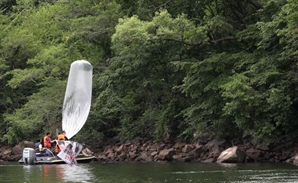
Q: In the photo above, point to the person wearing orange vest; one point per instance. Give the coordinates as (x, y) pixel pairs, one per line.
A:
(47, 142)
(61, 136)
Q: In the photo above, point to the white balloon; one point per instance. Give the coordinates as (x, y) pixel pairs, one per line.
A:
(77, 100)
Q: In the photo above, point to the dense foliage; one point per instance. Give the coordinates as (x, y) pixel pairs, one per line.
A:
(162, 69)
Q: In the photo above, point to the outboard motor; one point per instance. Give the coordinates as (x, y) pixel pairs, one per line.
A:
(28, 156)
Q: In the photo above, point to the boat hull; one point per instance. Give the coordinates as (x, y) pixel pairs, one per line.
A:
(57, 160)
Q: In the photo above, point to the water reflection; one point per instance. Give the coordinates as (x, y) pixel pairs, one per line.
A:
(76, 173)
(27, 172)
(68, 173)
(46, 171)
(228, 165)
(148, 173)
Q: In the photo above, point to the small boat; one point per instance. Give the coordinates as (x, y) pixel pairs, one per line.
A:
(30, 157)
(76, 107)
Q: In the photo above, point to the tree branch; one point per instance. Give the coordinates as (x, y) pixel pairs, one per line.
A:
(164, 5)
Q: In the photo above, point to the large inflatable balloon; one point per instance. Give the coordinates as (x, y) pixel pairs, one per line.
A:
(77, 100)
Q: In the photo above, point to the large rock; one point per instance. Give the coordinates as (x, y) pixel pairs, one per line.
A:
(179, 145)
(254, 154)
(197, 152)
(154, 147)
(295, 161)
(17, 150)
(14, 157)
(187, 148)
(166, 154)
(262, 147)
(102, 157)
(122, 156)
(144, 157)
(132, 155)
(6, 154)
(182, 158)
(231, 155)
(217, 142)
(120, 149)
(28, 144)
(214, 153)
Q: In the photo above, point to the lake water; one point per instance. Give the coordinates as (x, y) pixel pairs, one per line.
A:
(124, 172)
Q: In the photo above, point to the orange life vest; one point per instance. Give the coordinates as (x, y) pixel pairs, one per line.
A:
(60, 137)
(46, 143)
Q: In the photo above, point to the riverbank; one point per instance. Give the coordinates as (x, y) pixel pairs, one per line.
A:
(215, 150)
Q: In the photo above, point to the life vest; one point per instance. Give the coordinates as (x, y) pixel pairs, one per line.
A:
(60, 137)
(46, 143)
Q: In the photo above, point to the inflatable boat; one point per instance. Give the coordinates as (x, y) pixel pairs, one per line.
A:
(30, 157)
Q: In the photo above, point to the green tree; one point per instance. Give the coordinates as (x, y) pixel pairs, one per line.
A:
(161, 69)
(36, 59)
(6, 6)
(144, 81)
(55, 35)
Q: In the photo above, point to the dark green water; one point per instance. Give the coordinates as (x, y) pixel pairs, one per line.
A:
(149, 173)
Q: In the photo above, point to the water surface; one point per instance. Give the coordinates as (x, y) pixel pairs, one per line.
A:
(149, 173)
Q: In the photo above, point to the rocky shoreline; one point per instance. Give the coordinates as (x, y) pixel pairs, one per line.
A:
(212, 151)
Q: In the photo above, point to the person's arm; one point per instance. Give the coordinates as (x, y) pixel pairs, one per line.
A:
(48, 139)
(51, 141)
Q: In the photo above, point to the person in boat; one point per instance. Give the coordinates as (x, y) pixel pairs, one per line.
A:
(47, 141)
(39, 150)
(36, 145)
(61, 136)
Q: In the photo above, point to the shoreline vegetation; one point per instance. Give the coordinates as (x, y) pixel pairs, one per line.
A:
(204, 151)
